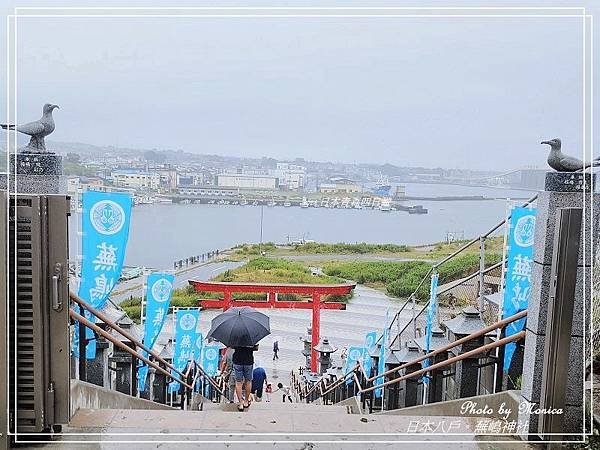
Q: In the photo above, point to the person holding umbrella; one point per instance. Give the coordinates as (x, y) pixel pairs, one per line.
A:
(241, 328)
(243, 367)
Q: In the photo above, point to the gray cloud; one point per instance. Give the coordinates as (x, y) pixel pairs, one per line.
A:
(434, 92)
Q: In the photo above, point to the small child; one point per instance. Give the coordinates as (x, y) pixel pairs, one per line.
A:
(286, 391)
(268, 392)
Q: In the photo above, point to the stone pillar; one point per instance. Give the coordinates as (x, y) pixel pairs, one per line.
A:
(466, 372)
(563, 190)
(410, 389)
(36, 173)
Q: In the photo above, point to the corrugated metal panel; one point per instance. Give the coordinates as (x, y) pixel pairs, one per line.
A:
(39, 343)
(26, 373)
(4, 441)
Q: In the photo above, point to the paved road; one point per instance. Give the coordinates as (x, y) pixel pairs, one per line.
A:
(200, 272)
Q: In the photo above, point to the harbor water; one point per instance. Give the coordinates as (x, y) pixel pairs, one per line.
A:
(163, 233)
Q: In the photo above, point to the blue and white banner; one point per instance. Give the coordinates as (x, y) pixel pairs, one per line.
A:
(431, 319)
(185, 341)
(105, 229)
(210, 359)
(159, 288)
(381, 361)
(517, 289)
(210, 362)
(355, 354)
(370, 343)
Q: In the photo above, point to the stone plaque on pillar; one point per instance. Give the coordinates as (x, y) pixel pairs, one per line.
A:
(35, 173)
(569, 191)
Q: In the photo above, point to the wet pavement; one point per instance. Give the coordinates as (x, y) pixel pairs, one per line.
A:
(204, 272)
(365, 312)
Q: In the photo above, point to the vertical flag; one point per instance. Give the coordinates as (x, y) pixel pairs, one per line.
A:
(105, 227)
(355, 354)
(210, 362)
(370, 342)
(158, 297)
(186, 321)
(517, 289)
(381, 362)
(431, 318)
(210, 359)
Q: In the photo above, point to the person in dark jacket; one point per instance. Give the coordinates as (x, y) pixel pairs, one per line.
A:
(275, 350)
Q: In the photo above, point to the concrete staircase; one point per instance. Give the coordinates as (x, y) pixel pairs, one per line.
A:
(109, 420)
(293, 426)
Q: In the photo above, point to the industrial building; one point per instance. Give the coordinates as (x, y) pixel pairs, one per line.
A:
(340, 185)
(247, 181)
(135, 178)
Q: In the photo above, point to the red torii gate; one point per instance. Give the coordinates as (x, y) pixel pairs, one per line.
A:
(272, 289)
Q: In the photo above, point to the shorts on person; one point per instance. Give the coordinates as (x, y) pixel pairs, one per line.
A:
(243, 372)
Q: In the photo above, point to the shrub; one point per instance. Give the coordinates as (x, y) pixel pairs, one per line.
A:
(401, 279)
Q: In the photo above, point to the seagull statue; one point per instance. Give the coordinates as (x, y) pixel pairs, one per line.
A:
(37, 130)
(564, 163)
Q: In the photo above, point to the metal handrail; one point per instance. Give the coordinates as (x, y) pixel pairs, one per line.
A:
(443, 291)
(470, 277)
(397, 315)
(337, 382)
(484, 235)
(500, 324)
(138, 343)
(452, 255)
(194, 381)
(123, 346)
(449, 361)
(100, 315)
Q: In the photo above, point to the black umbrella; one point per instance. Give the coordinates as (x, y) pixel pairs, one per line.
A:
(240, 327)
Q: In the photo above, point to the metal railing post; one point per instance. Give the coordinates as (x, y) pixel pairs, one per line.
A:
(82, 346)
(414, 318)
(481, 271)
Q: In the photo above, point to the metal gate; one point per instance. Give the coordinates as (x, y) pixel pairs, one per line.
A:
(37, 311)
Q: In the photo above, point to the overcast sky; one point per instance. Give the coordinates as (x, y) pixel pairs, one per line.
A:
(451, 92)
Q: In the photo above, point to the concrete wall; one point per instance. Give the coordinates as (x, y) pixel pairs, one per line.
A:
(89, 396)
(493, 403)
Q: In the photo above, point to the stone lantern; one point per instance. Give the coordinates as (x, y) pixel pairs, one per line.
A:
(307, 344)
(125, 364)
(392, 391)
(97, 369)
(438, 340)
(466, 372)
(159, 381)
(325, 350)
(410, 390)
